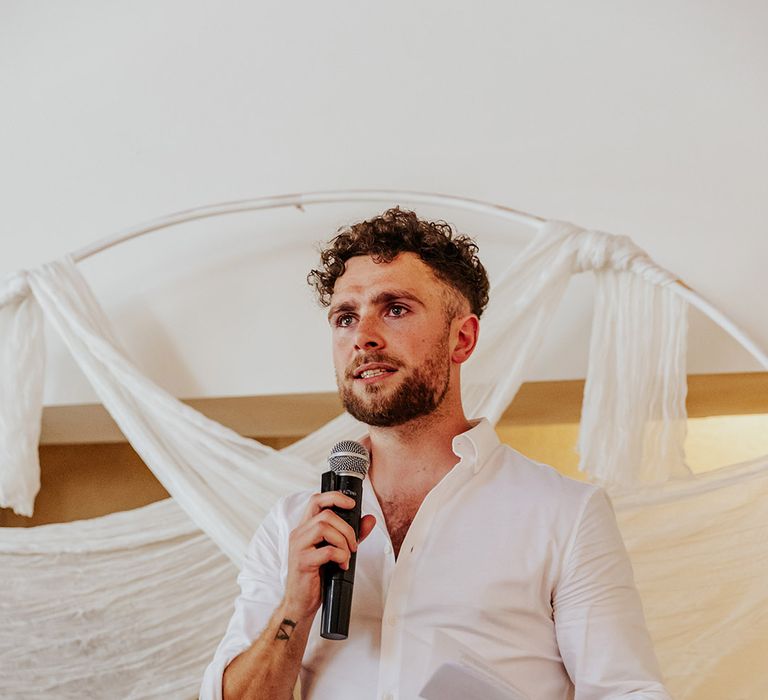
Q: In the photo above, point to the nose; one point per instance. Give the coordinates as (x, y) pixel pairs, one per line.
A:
(368, 334)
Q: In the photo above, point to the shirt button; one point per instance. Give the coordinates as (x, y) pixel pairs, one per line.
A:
(388, 549)
(387, 696)
(392, 620)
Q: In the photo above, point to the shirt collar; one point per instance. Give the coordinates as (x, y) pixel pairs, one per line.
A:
(476, 444)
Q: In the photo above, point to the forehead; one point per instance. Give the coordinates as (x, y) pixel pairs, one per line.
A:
(364, 277)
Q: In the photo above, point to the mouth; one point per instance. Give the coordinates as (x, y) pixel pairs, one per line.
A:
(373, 371)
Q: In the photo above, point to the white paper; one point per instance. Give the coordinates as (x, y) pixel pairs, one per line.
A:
(458, 674)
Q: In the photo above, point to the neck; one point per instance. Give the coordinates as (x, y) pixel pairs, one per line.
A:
(414, 456)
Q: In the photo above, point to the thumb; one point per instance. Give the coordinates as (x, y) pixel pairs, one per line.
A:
(367, 524)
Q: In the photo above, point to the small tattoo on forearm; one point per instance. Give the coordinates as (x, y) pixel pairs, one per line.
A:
(286, 629)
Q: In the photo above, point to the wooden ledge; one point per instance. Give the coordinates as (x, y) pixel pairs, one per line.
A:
(296, 415)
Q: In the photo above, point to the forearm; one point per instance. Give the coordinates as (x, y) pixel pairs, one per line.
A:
(269, 668)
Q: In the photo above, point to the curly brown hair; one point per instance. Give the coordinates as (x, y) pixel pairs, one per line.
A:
(453, 258)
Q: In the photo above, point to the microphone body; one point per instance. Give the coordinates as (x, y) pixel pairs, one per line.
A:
(349, 464)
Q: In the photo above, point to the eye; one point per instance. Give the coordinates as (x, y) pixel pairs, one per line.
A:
(344, 320)
(397, 310)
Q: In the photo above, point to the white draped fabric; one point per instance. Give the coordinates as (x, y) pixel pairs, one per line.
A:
(132, 604)
(698, 549)
(22, 360)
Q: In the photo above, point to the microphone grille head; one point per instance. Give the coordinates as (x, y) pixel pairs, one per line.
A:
(349, 457)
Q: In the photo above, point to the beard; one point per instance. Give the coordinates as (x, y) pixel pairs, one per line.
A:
(419, 393)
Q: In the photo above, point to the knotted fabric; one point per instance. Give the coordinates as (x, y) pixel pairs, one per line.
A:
(633, 415)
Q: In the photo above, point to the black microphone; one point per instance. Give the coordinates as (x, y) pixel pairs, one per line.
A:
(348, 464)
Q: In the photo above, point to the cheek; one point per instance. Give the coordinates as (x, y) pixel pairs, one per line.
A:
(340, 357)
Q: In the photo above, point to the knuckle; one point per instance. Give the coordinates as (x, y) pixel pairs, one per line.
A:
(328, 517)
(325, 528)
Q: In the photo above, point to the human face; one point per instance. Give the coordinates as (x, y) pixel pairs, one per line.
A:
(390, 339)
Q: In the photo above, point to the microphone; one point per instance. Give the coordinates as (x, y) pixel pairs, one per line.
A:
(348, 464)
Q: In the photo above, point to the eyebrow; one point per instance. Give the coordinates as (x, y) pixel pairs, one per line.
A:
(381, 298)
(344, 306)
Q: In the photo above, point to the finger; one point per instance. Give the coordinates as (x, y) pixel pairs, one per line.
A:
(328, 499)
(317, 533)
(326, 525)
(336, 521)
(367, 524)
(330, 535)
(315, 558)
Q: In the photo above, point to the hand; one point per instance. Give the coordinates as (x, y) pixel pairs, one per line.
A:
(303, 585)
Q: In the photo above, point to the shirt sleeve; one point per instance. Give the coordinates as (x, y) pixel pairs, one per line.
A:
(261, 590)
(598, 615)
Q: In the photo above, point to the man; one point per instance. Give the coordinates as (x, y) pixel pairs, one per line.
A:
(463, 539)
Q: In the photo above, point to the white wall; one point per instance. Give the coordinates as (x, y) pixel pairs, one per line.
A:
(639, 118)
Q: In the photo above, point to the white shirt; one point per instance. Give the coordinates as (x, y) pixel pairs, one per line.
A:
(509, 558)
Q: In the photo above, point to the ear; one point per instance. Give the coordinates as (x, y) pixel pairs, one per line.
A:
(466, 339)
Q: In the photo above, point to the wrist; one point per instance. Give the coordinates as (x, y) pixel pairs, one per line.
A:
(295, 612)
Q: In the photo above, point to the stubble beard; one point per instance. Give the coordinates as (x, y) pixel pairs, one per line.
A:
(418, 394)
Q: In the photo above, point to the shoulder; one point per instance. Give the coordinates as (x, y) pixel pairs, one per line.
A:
(541, 486)
(268, 547)
(286, 513)
(540, 476)
(542, 510)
